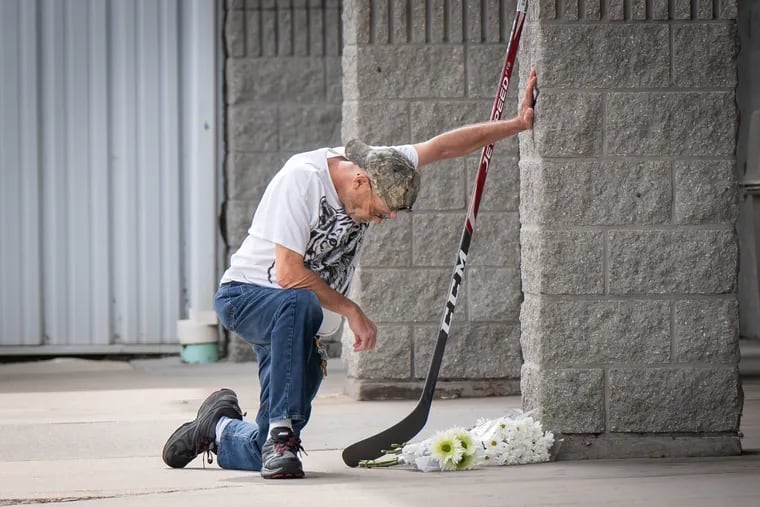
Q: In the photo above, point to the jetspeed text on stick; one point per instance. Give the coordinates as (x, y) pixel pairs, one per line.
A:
(502, 97)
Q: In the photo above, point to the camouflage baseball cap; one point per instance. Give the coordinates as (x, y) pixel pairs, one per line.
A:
(392, 175)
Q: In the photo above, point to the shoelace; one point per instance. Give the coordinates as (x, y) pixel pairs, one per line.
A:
(204, 446)
(292, 444)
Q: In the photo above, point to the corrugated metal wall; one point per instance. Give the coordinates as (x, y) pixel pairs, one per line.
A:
(90, 147)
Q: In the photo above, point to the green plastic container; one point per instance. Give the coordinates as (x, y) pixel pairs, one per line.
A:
(200, 353)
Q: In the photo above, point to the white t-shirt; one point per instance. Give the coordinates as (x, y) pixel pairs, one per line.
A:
(300, 210)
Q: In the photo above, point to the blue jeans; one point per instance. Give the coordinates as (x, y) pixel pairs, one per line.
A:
(281, 325)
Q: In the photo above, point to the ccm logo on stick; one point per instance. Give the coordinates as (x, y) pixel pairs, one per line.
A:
(454, 290)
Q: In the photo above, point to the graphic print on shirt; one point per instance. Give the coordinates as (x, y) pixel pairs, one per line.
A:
(333, 245)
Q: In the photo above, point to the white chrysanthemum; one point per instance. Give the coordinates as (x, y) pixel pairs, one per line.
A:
(468, 444)
(468, 461)
(446, 449)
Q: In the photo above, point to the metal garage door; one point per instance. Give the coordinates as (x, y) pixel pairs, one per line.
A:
(94, 154)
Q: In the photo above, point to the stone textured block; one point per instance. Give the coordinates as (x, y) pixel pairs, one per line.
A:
(681, 9)
(662, 124)
(442, 187)
(391, 359)
(456, 21)
(333, 80)
(435, 17)
(378, 123)
(348, 64)
(610, 192)
(707, 330)
(568, 9)
(239, 351)
(567, 125)
(473, 22)
(495, 241)
(309, 127)
(436, 238)
(634, 445)
(727, 9)
(615, 10)
(399, 22)
(432, 118)
(672, 262)
(704, 55)
(562, 262)
(356, 22)
(389, 244)
(300, 31)
(659, 9)
(573, 333)
(502, 190)
(484, 74)
(473, 351)
(660, 400)
(238, 220)
(568, 400)
(401, 295)
(380, 22)
(705, 191)
(418, 22)
(377, 74)
(542, 10)
(248, 174)
(492, 19)
(252, 128)
(592, 9)
(234, 33)
(268, 32)
(253, 42)
(274, 80)
(333, 29)
(639, 10)
(284, 32)
(704, 9)
(316, 31)
(493, 294)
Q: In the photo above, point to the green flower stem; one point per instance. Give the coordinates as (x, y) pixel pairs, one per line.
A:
(383, 461)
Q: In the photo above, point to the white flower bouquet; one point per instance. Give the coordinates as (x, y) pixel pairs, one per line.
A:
(513, 439)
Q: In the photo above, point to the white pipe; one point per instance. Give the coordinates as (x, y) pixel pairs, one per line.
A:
(200, 42)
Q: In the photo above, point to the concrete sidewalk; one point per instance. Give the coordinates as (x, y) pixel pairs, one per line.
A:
(91, 433)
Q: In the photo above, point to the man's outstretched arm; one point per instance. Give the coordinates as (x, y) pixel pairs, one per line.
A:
(463, 140)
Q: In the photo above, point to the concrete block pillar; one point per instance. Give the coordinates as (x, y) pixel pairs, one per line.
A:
(411, 70)
(627, 209)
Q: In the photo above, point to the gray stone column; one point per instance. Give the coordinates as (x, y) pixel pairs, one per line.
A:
(413, 69)
(627, 206)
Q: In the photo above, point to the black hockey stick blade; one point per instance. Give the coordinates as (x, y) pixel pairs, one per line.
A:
(400, 433)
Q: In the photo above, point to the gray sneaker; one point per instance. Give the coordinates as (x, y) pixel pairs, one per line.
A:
(198, 436)
(279, 456)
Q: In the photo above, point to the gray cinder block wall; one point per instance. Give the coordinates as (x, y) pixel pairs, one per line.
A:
(282, 96)
(413, 69)
(627, 204)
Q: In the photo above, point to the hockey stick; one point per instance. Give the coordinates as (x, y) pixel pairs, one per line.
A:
(406, 429)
